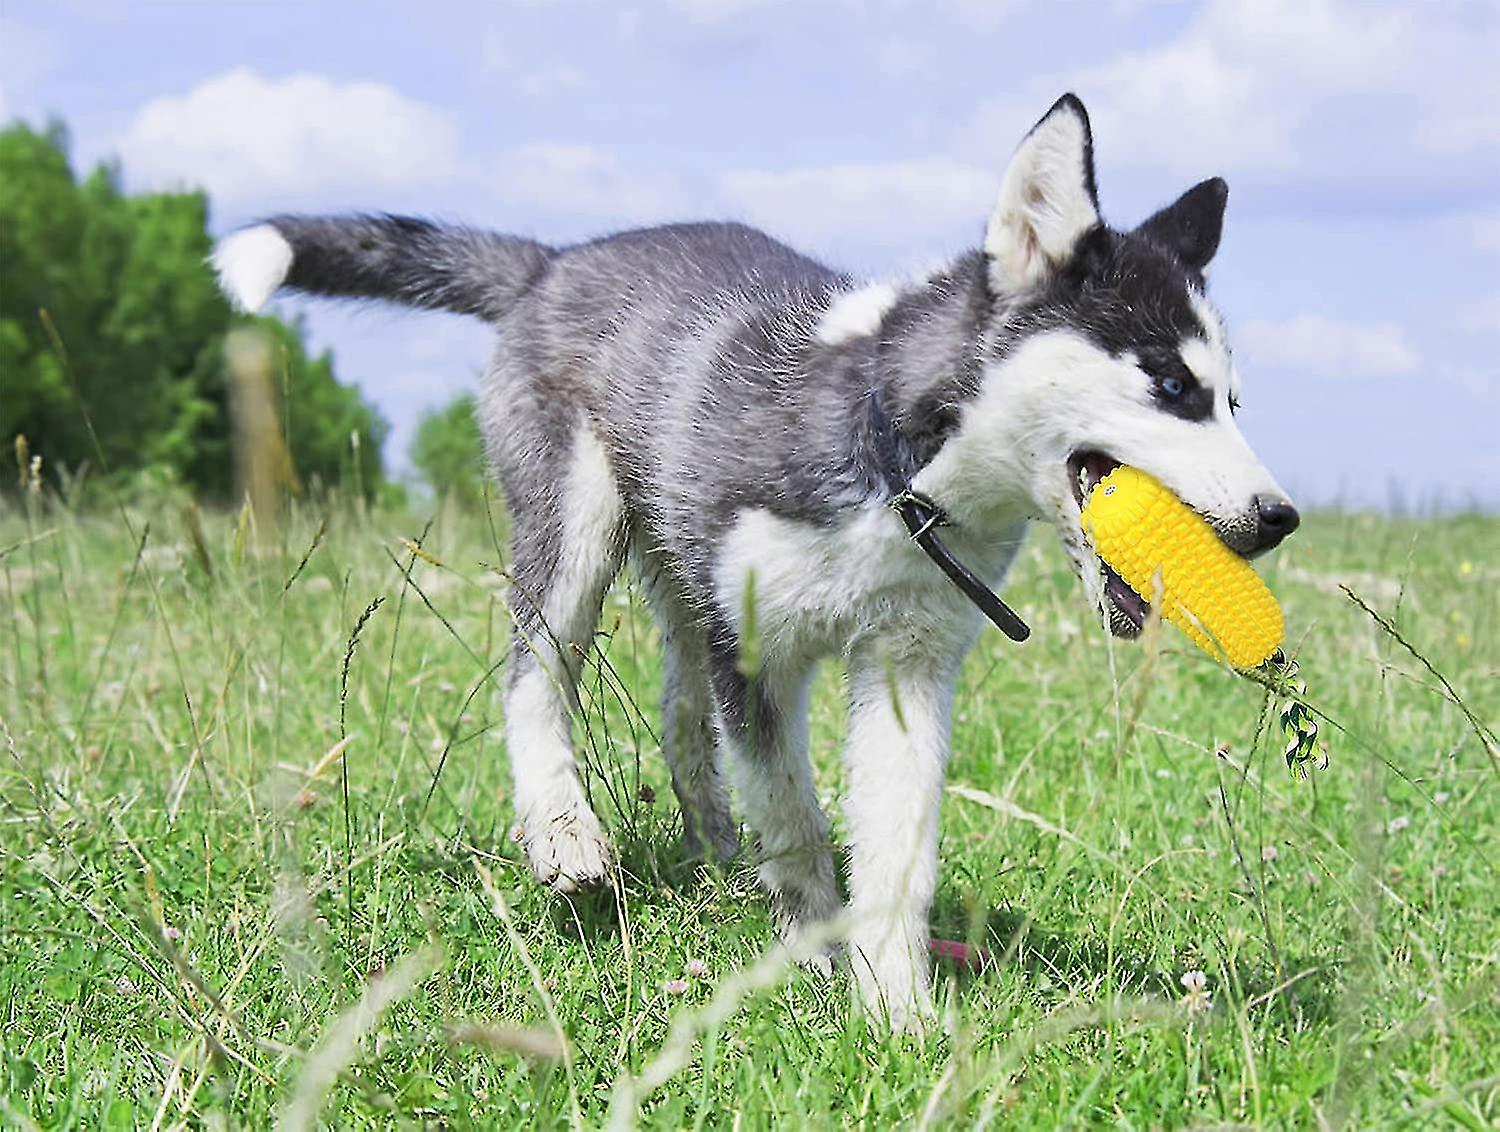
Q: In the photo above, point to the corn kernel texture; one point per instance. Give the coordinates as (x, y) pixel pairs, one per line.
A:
(1209, 592)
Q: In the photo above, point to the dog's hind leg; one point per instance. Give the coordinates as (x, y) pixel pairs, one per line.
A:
(762, 724)
(568, 542)
(687, 709)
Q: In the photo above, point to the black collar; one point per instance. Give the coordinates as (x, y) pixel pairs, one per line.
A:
(922, 517)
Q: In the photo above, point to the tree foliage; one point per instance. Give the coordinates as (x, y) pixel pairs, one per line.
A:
(107, 298)
(449, 452)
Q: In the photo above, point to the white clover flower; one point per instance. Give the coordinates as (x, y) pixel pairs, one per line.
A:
(1198, 997)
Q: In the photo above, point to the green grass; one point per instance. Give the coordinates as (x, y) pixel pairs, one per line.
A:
(188, 911)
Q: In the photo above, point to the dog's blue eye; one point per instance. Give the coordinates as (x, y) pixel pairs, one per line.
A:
(1173, 386)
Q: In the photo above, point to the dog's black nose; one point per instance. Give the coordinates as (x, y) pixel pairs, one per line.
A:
(1275, 518)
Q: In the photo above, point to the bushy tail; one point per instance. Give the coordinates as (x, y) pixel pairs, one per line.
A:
(398, 258)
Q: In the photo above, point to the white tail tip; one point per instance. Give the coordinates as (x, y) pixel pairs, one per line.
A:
(251, 264)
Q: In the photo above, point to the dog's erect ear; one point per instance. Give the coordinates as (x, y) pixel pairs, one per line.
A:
(1047, 201)
(1190, 227)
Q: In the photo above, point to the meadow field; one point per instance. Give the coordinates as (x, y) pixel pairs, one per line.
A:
(256, 861)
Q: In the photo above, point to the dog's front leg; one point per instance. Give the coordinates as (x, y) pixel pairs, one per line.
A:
(900, 699)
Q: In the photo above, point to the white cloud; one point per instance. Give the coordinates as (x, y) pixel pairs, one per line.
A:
(875, 201)
(1329, 348)
(247, 138)
(1343, 91)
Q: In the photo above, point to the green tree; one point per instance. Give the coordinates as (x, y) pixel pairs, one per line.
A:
(449, 452)
(125, 283)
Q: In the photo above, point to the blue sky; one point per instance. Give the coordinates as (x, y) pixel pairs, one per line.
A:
(1359, 274)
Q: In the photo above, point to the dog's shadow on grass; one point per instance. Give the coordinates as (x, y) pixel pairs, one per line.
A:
(658, 873)
(1065, 960)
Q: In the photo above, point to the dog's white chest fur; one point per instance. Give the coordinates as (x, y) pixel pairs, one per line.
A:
(806, 590)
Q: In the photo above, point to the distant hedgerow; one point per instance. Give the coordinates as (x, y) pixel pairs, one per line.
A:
(107, 298)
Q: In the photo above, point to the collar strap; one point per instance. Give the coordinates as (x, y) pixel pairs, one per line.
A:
(922, 518)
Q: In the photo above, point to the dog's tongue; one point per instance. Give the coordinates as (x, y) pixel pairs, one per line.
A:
(970, 957)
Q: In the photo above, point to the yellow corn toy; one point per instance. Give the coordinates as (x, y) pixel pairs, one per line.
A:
(1140, 529)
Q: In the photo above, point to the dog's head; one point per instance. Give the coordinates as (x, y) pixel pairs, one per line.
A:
(1102, 349)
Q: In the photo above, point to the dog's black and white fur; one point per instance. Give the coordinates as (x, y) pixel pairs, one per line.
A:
(705, 400)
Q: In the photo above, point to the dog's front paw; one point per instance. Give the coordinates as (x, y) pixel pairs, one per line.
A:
(569, 851)
(893, 987)
(917, 1017)
(904, 1006)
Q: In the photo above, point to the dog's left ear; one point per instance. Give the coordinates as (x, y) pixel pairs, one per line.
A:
(1047, 202)
(1190, 227)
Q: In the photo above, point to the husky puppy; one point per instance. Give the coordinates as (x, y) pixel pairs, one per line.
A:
(737, 419)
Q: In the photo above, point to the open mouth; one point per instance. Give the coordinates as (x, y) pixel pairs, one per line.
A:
(1127, 609)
